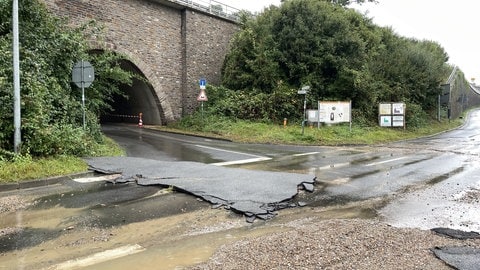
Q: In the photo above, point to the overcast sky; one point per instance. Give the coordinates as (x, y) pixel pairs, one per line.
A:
(451, 23)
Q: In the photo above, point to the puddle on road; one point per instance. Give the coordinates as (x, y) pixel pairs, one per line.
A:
(99, 194)
(188, 250)
(179, 239)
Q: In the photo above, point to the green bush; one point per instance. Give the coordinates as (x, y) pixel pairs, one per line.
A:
(415, 116)
(253, 105)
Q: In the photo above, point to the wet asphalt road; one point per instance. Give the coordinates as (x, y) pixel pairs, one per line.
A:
(423, 183)
(422, 180)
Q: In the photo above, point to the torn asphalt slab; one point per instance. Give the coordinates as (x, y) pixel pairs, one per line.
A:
(456, 234)
(462, 258)
(259, 193)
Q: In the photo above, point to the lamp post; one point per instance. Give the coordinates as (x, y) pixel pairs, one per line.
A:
(16, 81)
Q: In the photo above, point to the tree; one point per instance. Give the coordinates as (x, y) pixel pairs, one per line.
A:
(51, 107)
(340, 53)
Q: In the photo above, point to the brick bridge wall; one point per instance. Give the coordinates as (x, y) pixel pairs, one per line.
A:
(171, 44)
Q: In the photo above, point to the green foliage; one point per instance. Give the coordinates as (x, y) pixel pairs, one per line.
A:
(340, 53)
(416, 117)
(51, 106)
(254, 105)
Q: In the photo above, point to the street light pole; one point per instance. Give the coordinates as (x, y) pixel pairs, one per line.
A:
(16, 81)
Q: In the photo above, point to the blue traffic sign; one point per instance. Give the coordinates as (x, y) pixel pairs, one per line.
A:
(203, 83)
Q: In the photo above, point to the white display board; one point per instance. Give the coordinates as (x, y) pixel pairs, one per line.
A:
(332, 112)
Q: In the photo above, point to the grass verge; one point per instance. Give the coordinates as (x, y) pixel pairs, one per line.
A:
(252, 132)
(24, 168)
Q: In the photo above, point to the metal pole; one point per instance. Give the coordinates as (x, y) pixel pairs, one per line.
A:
(304, 113)
(17, 137)
(83, 104)
(439, 108)
(83, 95)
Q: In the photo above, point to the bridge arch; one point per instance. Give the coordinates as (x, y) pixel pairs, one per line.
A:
(151, 100)
(143, 96)
(172, 44)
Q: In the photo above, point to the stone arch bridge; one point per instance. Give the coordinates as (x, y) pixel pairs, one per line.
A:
(172, 43)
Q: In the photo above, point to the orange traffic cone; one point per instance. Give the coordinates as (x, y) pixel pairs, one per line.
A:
(140, 121)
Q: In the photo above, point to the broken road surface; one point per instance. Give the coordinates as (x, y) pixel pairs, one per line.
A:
(257, 194)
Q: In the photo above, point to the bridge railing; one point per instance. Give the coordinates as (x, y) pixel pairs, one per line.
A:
(212, 7)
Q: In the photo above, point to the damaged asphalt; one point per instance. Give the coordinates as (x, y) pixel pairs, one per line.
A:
(458, 257)
(256, 194)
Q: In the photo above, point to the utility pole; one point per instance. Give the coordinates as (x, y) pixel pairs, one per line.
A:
(16, 82)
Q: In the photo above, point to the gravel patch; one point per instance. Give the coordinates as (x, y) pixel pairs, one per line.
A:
(89, 235)
(12, 204)
(336, 244)
(471, 196)
(10, 230)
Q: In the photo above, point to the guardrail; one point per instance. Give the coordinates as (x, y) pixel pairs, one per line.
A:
(212, 7)
(452, 75)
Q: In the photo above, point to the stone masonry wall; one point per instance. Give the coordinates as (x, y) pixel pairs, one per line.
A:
(207, 43)
(173, 46)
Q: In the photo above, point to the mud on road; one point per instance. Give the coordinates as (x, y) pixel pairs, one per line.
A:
(192, 233)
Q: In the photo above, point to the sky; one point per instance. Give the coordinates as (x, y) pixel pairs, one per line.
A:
(454, 24)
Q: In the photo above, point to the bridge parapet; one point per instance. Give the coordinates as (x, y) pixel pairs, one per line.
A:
(211, 7)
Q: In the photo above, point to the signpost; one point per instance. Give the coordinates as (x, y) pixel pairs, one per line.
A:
(83, 75)
(203, 95)
(304, 92)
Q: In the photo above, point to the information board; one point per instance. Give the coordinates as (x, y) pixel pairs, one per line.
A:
(332, 112)
(391, 114)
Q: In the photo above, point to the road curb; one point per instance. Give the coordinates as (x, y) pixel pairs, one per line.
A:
(43, 182)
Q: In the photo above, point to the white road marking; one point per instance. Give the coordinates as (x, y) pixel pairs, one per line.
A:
(99, 257)
(385, 161)
(97, 178)
(242, 161)
(235, 162)
(227, 151)
(306, 154)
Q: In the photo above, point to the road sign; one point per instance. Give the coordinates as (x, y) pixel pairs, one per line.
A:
(203, 83)
(304, 90)
(301, 92)
(83, 74)
(202, 96)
